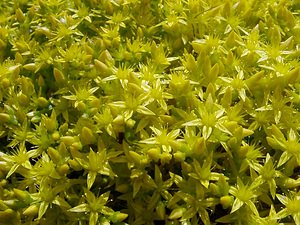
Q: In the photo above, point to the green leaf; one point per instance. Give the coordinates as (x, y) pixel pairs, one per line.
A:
(12, 170)
(296, 218)
(80, 208)
(144, 110)
(91, 179)
(153, 201)
(226, 219)
(283, 213)
(177, 213)
(61, 202)
(136, 187)
(206, 132)
(282, 199)
(106, 210)
(189, 213)
(237, 204)
(93, 218)
(252, 207)
(204, 216)
(118, 217)
(285, 156)
(277, 133)
(196, 122)
(272, 187)
(275, 144)
(43, 208)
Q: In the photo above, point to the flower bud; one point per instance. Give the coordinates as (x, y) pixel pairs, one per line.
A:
(154, 153)
(63, 169)
(135, 157)
(81, 106)
(102, 68)
(87, 137)
(215, 189)
(62, 149)
(18, 58)
(226, 201)
(31, 211)
(179, 156)
(67, 140)
(95, 103)
(76, 146)
(23, 99)
(165, 157)
(55, 135)
(74, 165)
(30, 66)
(5, 83)
(21, 195)
(41, 81)
(5, 118)
(105, 57)
(130, 123)
(3, 182)
(42, 102)
(54, 155)
(20, 15)
(58, 76)
(119, 120)
(7, 215)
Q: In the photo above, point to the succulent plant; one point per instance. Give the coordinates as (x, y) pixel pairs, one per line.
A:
(149, 112)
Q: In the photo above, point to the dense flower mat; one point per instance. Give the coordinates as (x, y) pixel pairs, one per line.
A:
(148, 112)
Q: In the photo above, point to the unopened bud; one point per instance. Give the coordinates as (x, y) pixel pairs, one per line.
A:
(87, 136)
(4, 118)
(74, 165)
(154, 153)
(58, 76)
(5, 83)
(226, 201)
(30, 67)
(55, 135)
(42, 102)
(31, 211)
(54, 155)
(20, 15)
(67, 140)
(63, 169)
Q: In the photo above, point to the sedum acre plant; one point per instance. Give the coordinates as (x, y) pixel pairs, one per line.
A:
(148, 112)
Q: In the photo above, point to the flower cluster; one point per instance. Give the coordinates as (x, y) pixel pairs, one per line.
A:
(149, 112)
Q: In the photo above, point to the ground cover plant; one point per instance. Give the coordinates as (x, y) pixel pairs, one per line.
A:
(149, 112)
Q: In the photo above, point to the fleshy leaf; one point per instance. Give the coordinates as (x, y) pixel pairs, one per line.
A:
(237, 204)
(43, 208)
(91, 179)
(80, 208)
